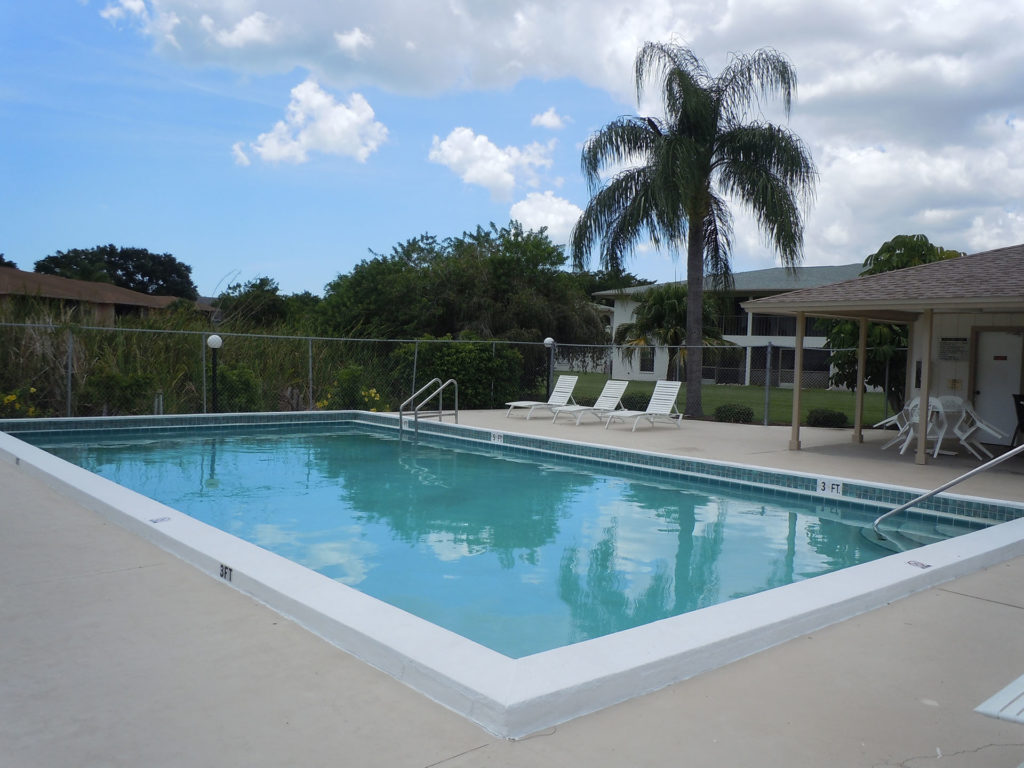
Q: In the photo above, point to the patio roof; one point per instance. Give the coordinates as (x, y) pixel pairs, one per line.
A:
(990, 281)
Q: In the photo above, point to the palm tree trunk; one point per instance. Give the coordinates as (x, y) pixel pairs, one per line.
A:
(694, 318)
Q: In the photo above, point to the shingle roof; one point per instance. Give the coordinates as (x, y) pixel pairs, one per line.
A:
(18, 283)
(767, 281)
(988, 281)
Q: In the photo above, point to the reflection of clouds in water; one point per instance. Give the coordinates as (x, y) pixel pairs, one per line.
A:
(342, 558)
(447, 550)
(270, 536)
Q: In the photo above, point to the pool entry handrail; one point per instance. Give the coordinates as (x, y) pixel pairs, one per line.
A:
(438, 391)
(945, 486)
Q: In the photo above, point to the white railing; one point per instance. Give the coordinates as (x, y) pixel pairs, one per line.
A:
(438, 391)
(946, 486)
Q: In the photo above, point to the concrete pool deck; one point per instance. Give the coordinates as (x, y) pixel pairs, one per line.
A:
(114, 652)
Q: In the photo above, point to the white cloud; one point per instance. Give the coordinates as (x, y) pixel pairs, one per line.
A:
(353, 41)
(160, 25)
(238, 152)
(255, 28)
(479, 161)
(549, 119)
(316, 122)
(908, 105)
(545, 210)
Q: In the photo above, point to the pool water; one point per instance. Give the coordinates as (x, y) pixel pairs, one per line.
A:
(520, 555)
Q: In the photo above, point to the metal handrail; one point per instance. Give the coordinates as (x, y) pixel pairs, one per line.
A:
(945, 486)
(438, 393)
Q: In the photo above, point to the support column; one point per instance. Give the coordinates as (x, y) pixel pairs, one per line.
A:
(921, 456)
(862, 355)
(798, 375)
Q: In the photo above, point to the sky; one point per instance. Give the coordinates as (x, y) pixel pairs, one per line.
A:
(293, 138)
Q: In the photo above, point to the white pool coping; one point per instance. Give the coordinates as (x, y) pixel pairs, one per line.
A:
(516, 697)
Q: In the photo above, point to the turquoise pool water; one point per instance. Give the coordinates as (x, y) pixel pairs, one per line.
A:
(520, 555)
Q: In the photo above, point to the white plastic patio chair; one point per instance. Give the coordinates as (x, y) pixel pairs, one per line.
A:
(902, 421)
(609, 400)
(662, 407)
(968, 429)
(935, 429)
(561, 395)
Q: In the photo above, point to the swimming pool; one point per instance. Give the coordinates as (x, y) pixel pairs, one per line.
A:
(514, 697)
(521, 555)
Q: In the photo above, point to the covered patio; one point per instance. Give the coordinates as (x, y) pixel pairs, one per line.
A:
(966, 319)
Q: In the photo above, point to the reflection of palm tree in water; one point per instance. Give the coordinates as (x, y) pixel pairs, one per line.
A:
(509, 508)
(600, 603)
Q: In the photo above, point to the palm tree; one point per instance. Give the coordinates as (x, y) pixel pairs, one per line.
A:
(681, 168)
(660, 320)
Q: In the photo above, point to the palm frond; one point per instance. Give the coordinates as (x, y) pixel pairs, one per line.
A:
(718, 245)
(627, 141)
(750, 78)
(771, 172)
(618, 216)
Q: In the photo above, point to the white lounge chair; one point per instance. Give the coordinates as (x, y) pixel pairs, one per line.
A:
(661, 408)
(560, 395)
(609, 400)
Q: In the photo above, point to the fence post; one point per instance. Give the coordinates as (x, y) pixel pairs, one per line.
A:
(767, 383)
(310, 407)
(885, 392)
(67, 375)
(415, 363)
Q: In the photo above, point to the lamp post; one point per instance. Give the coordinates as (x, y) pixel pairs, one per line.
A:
(214, 342)
(550, 344)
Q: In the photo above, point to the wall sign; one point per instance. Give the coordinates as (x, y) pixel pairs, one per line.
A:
(953, 348)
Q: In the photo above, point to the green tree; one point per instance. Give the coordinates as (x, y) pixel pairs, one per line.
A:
(660, 320)
(255, 303)
(886, 359)
(492, 283)
(607, 280)
(156, 274)
(680, 168)
(7, 262)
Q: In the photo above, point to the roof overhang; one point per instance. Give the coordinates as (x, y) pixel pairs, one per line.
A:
(880, 311)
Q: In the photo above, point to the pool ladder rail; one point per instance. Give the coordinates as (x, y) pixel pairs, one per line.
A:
(945, 486)
(437, 388)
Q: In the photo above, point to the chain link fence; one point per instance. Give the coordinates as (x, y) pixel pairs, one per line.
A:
(48, 370)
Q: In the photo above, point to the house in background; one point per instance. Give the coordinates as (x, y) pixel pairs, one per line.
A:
(97, 303)
(966, 318)
(750, 332)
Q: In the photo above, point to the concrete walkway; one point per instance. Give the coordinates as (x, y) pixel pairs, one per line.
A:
(115, 653)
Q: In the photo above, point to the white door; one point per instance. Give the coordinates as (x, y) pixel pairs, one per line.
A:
(997, 377)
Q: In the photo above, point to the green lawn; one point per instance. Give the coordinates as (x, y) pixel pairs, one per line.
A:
(780, 407)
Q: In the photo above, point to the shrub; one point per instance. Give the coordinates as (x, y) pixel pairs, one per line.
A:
(488, 374)
(19, 404)
(734, 413)
(635, 401)
(111, 393)
(824, 417)
(238, 390)
(347, 390)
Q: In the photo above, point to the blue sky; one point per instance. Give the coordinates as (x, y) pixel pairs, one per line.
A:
(286, 138)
